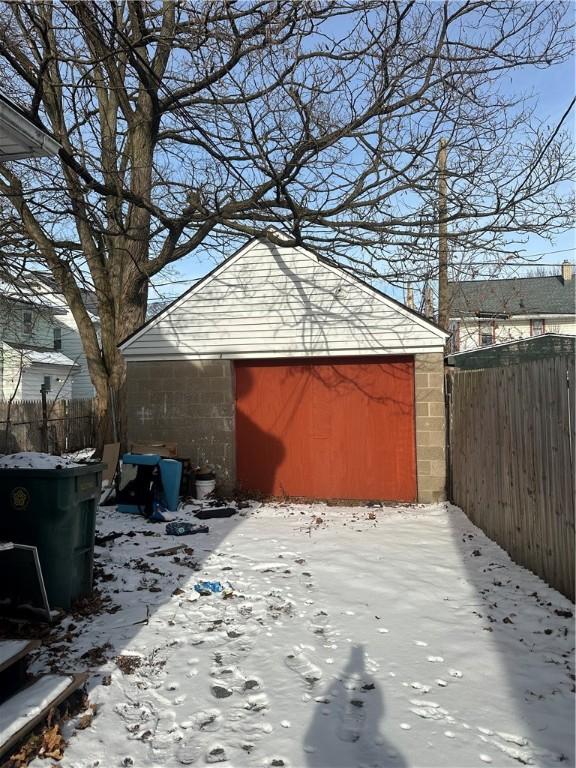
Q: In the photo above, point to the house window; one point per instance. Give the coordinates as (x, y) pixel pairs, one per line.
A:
(47, 383)
(487, 333)
(27, 322)
(57, 338)
(537, 327)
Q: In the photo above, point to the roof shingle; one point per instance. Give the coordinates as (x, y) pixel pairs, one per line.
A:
(516, 296)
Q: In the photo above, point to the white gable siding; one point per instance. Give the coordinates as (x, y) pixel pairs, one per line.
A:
(271, 301)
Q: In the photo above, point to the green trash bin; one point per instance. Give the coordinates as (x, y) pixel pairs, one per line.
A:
(55, 511)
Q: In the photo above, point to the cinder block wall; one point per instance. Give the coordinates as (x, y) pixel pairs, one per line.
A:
(430, 427)
(190, 403)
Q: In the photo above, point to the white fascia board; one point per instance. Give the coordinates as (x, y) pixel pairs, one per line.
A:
(367, 289)
(259, 355)
(36, 143)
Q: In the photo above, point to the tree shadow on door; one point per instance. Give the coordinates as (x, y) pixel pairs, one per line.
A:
(258, 453)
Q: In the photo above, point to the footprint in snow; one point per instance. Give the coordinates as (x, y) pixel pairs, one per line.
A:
(229, 679)
(324, 631)
(164, 738)
(257, 703)
(429, 710)
(133, 713)
(518, 748)
(220, 691)
(248, 724)
(298, 662)
(216, 754)
(208, 720)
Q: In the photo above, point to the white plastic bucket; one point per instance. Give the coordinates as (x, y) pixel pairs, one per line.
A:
(204, 488)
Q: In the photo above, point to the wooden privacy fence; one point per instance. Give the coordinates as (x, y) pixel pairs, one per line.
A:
(511, 435)
(69, 426)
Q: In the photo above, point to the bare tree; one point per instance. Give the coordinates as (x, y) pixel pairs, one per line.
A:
(185, 125)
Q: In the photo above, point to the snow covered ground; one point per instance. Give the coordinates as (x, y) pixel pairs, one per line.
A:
(354, 637)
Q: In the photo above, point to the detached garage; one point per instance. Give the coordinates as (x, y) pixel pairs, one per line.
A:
(294, 378)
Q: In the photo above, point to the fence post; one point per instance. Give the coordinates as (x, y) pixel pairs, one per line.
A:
(448, 379)
(66, 430)
(44, 426)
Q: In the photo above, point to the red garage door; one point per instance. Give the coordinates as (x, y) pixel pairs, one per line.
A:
(331, 428)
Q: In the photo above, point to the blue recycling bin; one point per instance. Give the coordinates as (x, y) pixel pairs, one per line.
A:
(171, 477)
(152, 472)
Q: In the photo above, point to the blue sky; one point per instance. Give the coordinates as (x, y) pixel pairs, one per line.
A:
(553, 88)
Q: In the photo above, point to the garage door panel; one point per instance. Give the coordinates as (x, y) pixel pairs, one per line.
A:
(338, 428)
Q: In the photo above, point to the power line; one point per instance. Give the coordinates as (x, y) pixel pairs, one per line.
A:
(189, 280)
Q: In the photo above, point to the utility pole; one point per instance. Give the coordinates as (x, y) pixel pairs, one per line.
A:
(410, 297)
(443, 309)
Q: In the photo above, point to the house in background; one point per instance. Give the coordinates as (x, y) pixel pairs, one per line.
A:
(485, 312)
(294, 378)
(40, 344)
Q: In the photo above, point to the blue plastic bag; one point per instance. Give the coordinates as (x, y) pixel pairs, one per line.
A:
(208, 587)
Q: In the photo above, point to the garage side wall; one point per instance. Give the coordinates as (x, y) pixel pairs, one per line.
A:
(190, 403)
(430, 427)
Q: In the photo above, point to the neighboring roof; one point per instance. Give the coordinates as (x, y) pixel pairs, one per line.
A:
(41, 356)
(49, 358)
(275, 300)
(30, 293)
(40, 292)
(516, 296)
(514, 352)
(19, 137)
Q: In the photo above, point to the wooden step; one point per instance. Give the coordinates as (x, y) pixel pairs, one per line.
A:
(23, 711)
(12, 651)
(13, 661)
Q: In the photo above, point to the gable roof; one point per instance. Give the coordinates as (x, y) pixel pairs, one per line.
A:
(31, 355)
(271, 300)
(516, 296)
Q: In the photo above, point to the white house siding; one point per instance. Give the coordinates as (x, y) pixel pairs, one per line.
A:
(33, 378)
(72, 348)
(11, 373)
(271, 301)
(14, 331)
(511, 329)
